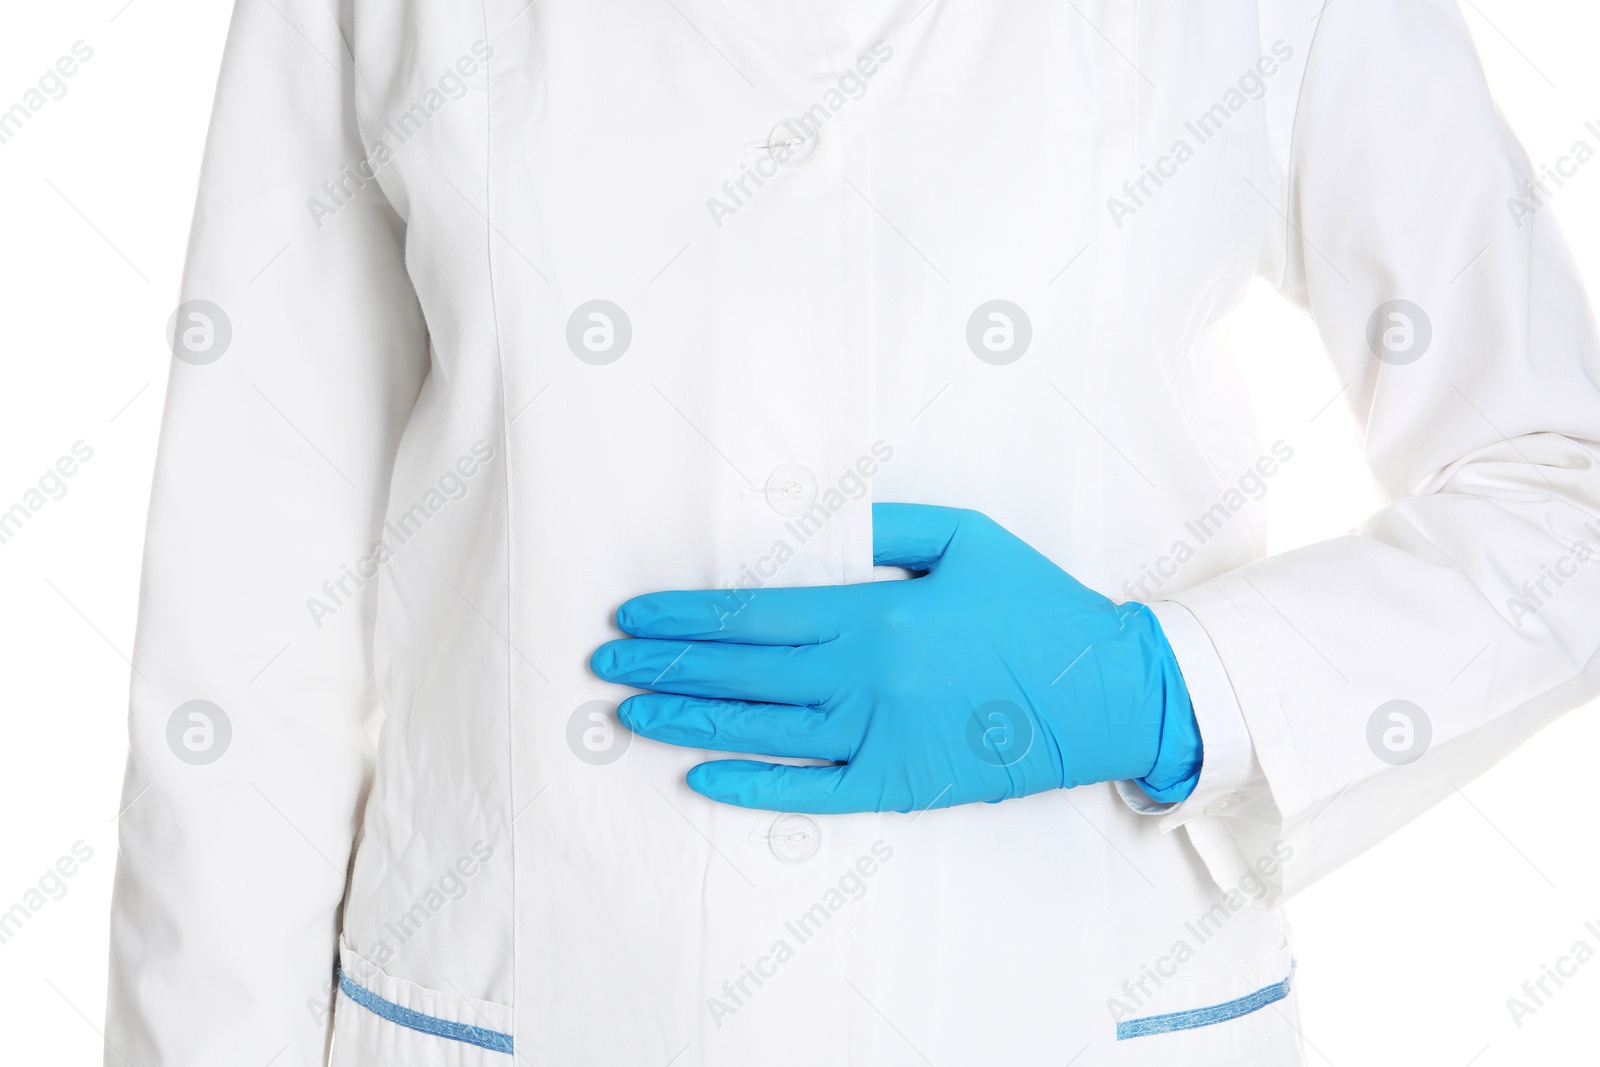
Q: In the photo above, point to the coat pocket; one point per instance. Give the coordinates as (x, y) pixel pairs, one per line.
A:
(1244, 1016)
(382, 1020)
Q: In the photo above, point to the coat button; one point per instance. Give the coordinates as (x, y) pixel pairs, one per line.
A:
(791, 489)
(1225, 803)
(794, 838)
(793, 142)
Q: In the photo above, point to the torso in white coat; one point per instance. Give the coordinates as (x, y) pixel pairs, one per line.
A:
(794, 343)
(580, 300)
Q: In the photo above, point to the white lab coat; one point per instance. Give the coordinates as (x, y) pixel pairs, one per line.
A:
(408, 469)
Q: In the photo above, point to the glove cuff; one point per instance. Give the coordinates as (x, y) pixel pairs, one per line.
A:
(1180, 754)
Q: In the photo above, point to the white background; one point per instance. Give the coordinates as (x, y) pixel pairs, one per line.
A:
(1407, 956)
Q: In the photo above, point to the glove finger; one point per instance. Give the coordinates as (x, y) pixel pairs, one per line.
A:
(913, 536)
(772, 674)
(778, 787)
(806, 615)
(738, 726)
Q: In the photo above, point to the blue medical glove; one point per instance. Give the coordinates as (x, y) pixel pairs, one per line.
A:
(993, 675)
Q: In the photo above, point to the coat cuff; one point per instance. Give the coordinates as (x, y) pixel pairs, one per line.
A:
(1229, 771)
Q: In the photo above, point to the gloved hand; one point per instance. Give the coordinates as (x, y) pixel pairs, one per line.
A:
(994, 675)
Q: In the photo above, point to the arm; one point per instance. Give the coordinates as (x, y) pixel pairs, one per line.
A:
(282, 418)
(1474, 596)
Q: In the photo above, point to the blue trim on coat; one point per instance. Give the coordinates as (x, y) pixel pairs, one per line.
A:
(1208, 1016)
(492, 1040)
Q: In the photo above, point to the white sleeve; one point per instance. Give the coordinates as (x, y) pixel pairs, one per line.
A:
(300, 353)
(1379, 671)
